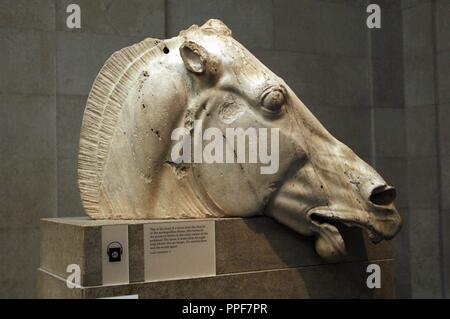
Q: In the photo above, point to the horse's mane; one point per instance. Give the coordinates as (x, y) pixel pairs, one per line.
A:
(103, 107)
(107, 97)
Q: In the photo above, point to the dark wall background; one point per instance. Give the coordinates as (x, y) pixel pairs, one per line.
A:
(384, 92)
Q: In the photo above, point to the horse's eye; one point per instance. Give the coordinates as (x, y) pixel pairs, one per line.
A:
(273, 99)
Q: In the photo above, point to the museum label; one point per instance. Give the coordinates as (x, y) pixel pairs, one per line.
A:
(179, 250)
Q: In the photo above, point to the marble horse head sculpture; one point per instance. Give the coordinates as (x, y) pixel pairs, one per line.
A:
(146, 91)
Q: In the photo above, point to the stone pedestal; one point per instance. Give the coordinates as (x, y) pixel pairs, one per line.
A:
(255, 258)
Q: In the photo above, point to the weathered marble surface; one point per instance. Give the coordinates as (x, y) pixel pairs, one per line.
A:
(146, 91)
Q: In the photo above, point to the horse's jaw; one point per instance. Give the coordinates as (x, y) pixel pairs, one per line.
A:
(328, 192)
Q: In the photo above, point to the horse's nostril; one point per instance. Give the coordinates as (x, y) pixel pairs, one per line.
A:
(383, 196)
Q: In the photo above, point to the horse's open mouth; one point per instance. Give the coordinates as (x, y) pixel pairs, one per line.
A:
(329, 243)
(320, 219)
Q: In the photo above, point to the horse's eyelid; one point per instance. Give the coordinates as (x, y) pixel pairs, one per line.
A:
(268, 92)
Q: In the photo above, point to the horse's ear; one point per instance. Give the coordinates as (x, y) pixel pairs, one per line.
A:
(216, 26)
(194, 56)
